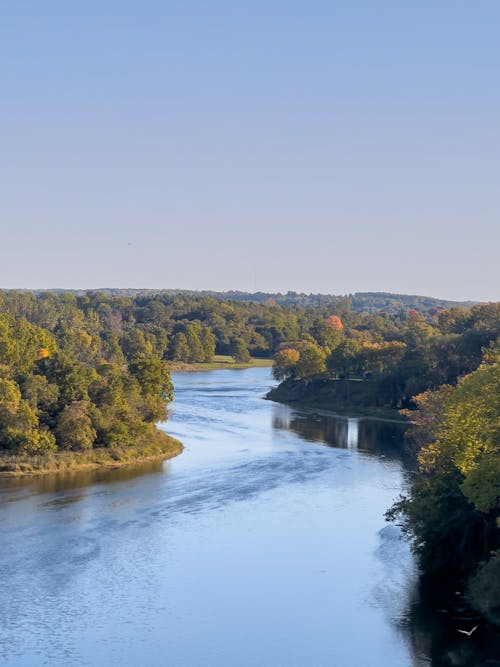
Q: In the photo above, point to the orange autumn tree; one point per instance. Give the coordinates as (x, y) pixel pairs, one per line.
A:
(335, 322)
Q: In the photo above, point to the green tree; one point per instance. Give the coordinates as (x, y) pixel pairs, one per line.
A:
(239, 350)
(346, 358)
(311, 361)
(285, 363)
(20, 431)
(196, 351)
(180, 347)
(153, 375)
(207, 340)
(70, 375)
(41, 395)
(74, 429)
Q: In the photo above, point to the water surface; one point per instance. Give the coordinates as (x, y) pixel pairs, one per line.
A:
(262, 545)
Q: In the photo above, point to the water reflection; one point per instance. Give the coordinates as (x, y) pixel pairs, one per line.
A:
(432, 632)
(352, 433)
(412, 606)
(75, 479)
(371, 436)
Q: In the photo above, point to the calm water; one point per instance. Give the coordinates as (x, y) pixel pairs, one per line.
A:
(262, 545)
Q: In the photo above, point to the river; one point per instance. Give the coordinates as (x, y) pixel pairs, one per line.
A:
(263, 545)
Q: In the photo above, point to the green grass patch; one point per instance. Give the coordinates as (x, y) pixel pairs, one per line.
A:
(221, 362)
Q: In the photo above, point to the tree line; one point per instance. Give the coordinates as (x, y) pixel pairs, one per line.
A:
(402, 355)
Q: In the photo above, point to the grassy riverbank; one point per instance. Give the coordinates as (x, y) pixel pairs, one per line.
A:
(221, 362)
(157, 446)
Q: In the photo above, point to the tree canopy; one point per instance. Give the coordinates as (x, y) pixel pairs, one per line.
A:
(453, 508)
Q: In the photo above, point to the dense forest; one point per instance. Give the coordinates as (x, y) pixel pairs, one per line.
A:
(74, 380)
(381, 359)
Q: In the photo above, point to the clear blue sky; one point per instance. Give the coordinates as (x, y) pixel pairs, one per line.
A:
(311, 146)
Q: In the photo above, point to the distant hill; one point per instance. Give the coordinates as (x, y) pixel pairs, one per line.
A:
(366, 302)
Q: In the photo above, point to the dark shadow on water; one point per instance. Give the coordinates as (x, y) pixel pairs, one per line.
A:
(432, 631)
(371, 436)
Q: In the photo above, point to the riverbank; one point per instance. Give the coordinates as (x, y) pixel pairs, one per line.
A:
(220, 362)
(353, 398)
(156, 447)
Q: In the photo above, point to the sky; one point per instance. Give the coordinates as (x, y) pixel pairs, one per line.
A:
(333, 147)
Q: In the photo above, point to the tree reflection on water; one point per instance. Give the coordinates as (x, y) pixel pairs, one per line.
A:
(431, 620)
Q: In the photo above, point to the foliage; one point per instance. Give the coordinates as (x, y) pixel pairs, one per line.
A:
(239, 350)
(77, 378)
(74, 428)
(285, 362)
(335, 322)
(311, 361)
(453, 509)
